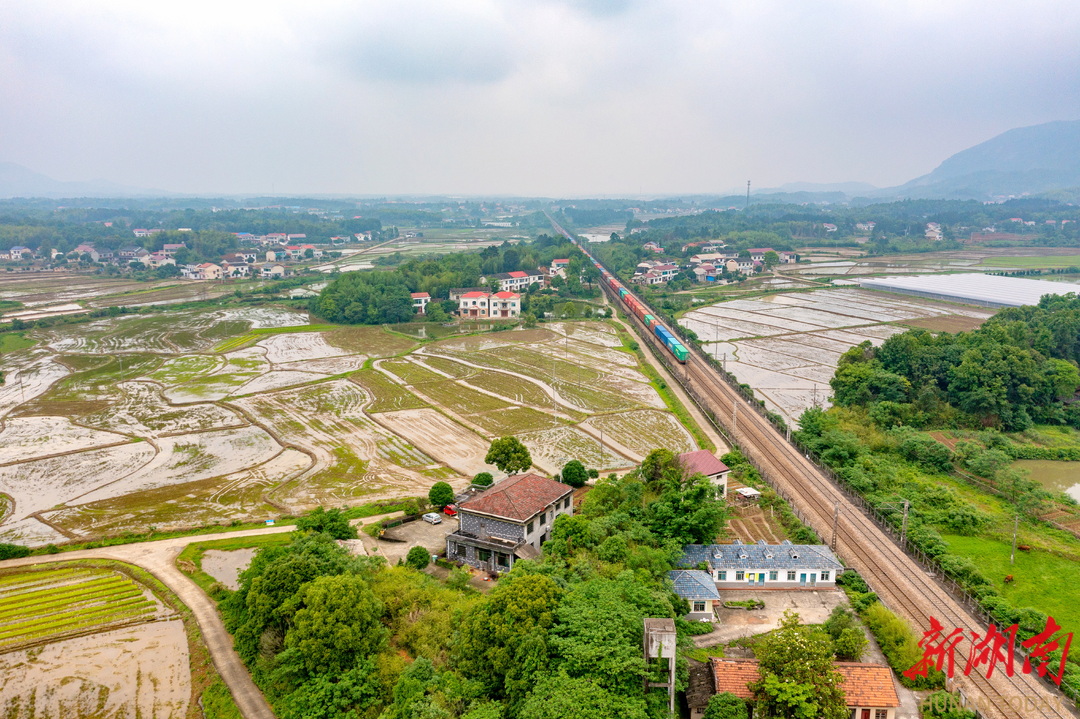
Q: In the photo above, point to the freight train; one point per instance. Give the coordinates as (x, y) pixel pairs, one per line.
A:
(633, 305)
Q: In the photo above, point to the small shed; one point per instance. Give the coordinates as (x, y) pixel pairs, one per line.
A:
(747, 495)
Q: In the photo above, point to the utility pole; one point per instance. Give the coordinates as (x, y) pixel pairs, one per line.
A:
(602, 456)
(1016, 527)
(903, 523)
(835, 521)
(734, 418)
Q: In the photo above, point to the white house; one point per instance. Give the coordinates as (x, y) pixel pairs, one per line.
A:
(766, 566)
(486, 304)
(420, 301)
(705, 462)
(511, 281)
(697, 588)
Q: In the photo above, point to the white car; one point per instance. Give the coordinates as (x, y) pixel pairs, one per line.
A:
(432, 518)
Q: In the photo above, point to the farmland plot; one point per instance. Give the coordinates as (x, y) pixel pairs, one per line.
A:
(296, 346)
(438, 436)
(786, 346)
(645, 430)
(242, 367)
(41, 484)
(27, 376)
(141, 410)
(191, 457)
(23, 438)
(124, 664)
(551, 449)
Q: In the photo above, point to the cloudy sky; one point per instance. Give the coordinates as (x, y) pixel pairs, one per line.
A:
(527, 97)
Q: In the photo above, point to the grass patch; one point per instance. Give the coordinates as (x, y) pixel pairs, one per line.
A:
(411, 372)
(510, 387)
(462, 400)
(703, 654)
(450, 367)
(369, 340)
(184, 369)
(1033, 262)
(1040, 579)
(516, 421)
(15, 341)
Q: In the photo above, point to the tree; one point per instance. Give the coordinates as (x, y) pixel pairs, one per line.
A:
(771, 259)
(558, 696)
(575, 474)
(798, 677)
(441, 494)
(509, 455)
(726, 705)
(503, 640)
(337, 625)
(418, 558)
(484, 479)
(331, 522)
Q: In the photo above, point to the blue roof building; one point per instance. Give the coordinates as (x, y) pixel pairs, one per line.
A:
(766, 566)
(697, 588)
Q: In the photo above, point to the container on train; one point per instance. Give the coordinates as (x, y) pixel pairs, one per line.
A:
(649, 321)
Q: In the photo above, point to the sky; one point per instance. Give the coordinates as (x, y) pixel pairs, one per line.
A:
(555, 98)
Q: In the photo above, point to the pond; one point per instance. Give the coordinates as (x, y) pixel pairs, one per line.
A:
(1053, 476)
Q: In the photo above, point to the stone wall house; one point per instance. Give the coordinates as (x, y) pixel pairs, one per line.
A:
(511, 520)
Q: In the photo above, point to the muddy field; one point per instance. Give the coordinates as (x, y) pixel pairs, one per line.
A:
(84, 642)
(786, 346)
(195, 417)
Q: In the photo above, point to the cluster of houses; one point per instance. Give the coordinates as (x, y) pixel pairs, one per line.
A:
(708, 265)
(511, 520)
(505, 303)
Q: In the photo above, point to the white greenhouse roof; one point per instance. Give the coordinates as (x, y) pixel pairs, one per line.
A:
(980, 289)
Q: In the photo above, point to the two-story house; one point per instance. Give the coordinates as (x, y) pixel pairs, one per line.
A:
(486, 304)
(516, 281)
(508, 521)
(766, 566)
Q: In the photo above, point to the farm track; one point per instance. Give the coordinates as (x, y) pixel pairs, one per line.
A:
(902, 584)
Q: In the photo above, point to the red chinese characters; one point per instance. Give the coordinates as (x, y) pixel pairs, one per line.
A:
(991, 650)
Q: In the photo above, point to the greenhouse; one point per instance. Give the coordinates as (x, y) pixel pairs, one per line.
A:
(976, 289)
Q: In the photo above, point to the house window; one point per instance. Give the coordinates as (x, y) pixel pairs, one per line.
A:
(824, 576)
(881, 714)
(791, 576)
(721, 576)
(739, 576)
(699, 606)
(529, 528)
(502, 560)
(484, 555)
(543, 519)
(772, 576)
(462, 551)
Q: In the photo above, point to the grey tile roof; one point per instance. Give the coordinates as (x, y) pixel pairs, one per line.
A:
(693, 584)
(784, 556)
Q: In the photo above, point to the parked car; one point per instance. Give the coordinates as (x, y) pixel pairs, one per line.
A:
(450, 510)
(432, 518)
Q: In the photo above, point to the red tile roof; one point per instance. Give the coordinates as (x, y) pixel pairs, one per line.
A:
(507, 295)
(701, 461)
(864, 685)
(419, 295)
(475, 294)
(519, 497)
(517, 274)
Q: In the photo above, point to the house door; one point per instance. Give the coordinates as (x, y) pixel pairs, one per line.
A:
(813, 580)
(802, 579)
(865, 714)
(761, 578)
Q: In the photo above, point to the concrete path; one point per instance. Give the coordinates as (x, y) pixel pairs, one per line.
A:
(159, 558)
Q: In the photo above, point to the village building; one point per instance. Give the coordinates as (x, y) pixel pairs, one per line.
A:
(766, 566)
(516, 281)
(699, 591)
(652, 247)
(235, 269)
(704, 462)
(86, 249)
(869, 691)
(420, 301)
(18, 252)
(171, 249)
(559, 267)
(489, 305)
(511, 520)
(204, 271)
(273, 270)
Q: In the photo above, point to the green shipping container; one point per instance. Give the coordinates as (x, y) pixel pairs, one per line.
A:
(649, 319)
(679, 351)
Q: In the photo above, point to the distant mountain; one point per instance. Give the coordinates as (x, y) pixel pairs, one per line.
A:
(848, 188)
(1023, 161)
(18, 181)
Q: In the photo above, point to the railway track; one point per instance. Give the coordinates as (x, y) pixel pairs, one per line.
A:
(903, 584)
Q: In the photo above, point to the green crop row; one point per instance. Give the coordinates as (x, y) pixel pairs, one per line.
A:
(96, 597)
(74, 619)
(40, 577)
(69, 627)
(35, 619)
(64, 590)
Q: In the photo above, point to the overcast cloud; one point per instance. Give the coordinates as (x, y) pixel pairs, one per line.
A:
(527, 97)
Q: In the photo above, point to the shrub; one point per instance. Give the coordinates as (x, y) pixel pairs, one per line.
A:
(484, 479)
(726, 705)
(418, 558)
(693, 628)
(850, 645)
(13, 551)
(331, 522)
(901, 648)
(853, 581)
(575, 474)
